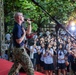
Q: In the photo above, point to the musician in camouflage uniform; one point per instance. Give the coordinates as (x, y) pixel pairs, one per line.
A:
(21, 58)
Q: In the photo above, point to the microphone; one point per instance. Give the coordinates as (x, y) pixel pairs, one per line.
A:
(28, 19)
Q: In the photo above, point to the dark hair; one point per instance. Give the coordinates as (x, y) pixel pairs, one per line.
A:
(30, 42)
(62, 46)
(38, 43)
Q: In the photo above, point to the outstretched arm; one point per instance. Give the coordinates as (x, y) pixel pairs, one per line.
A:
(29, 27)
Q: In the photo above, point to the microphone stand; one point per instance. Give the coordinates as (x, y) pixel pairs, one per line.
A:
(58, 25)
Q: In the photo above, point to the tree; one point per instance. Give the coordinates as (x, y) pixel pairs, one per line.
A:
(61, 9)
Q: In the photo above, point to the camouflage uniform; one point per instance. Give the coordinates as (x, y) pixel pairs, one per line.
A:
(21, 59)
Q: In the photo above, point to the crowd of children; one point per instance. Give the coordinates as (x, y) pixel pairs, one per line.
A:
(47, 59)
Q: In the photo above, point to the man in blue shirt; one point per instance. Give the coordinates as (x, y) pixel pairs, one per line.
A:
(21, 58)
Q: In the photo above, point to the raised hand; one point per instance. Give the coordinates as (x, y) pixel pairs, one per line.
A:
(29, 21)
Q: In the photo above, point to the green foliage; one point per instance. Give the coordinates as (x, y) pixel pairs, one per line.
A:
(61, 9)
(34, 26)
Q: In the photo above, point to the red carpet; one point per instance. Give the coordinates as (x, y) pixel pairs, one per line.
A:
(6, 65)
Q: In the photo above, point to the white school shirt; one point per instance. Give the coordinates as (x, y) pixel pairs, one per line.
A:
(43, 52)
(61, 57)
(32, 53)
(49, 59)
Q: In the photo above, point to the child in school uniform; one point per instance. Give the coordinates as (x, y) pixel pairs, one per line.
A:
(38, 56)
(61, 60)
(48, 60)
(33, 55)
(42, 52)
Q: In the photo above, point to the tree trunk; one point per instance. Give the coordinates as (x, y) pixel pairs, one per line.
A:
(2, 36)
